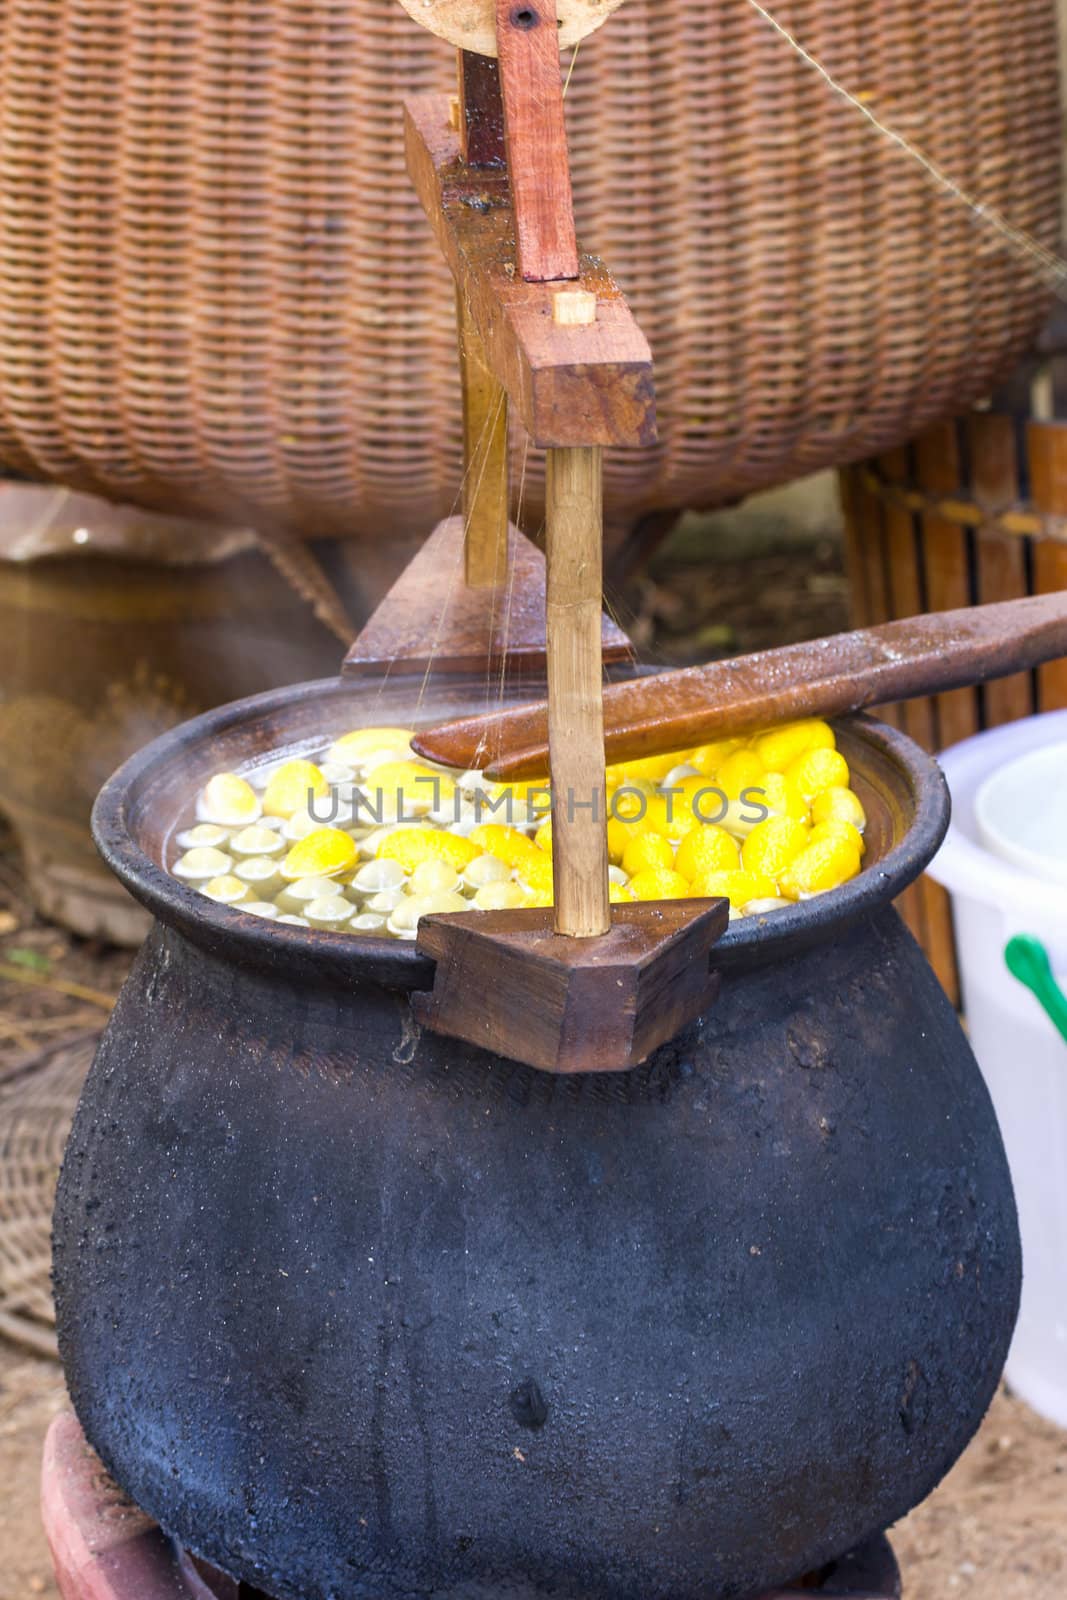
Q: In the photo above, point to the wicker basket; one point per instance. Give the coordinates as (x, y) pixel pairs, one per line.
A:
(974, 511)
(217, 293)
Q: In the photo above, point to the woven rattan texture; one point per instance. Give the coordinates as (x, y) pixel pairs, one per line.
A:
(37, 1103)
(217, 293)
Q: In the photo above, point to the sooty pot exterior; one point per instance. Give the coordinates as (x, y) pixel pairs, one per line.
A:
(356, 1311)
(360, 1313)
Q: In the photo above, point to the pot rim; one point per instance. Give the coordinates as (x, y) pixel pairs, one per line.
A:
(308, 954)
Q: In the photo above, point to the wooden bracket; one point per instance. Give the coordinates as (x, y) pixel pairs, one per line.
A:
(431, 617)
(506, 982)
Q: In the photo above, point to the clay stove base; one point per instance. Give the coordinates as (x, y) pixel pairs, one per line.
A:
(104, 1548)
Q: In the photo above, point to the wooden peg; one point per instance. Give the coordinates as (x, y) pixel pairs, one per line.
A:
(573, 308)
(532, 85)
(485, 460)
(575, 538)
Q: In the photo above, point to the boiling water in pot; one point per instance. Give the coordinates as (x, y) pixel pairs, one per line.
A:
(361, 837)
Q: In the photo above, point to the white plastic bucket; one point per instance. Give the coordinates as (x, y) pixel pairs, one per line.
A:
(1022, 1055)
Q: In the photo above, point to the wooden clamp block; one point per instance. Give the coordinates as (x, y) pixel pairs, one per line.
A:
(506, 982)
(589, 384)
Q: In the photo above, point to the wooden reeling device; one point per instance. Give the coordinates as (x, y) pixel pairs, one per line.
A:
(545, 337)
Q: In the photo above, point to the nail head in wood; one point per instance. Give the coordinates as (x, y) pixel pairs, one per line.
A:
(574, 308)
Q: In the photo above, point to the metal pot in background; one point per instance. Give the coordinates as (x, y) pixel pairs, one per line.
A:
(116, 625)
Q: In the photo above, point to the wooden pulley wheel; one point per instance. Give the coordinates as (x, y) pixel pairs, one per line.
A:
(471, 24)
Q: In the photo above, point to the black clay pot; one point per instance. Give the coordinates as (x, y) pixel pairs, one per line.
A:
(359, 1312)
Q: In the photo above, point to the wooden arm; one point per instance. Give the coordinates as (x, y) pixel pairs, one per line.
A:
(822, 678)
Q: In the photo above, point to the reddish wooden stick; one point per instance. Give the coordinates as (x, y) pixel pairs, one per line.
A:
(822, 678)
(527, 33)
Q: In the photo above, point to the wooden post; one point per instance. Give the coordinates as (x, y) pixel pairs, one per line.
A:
(481, 112)
(1047, 451)
(903, 598)
(575, 519)
(1000, 557)
(480, 125)
(925, 904)
(485, 460)
(947, 564)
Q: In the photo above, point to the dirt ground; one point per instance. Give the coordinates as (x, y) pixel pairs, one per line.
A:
(31, 1392)
(686, 608)
(995, 1530)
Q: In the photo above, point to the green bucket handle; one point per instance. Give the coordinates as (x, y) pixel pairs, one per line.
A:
(1027, 959)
